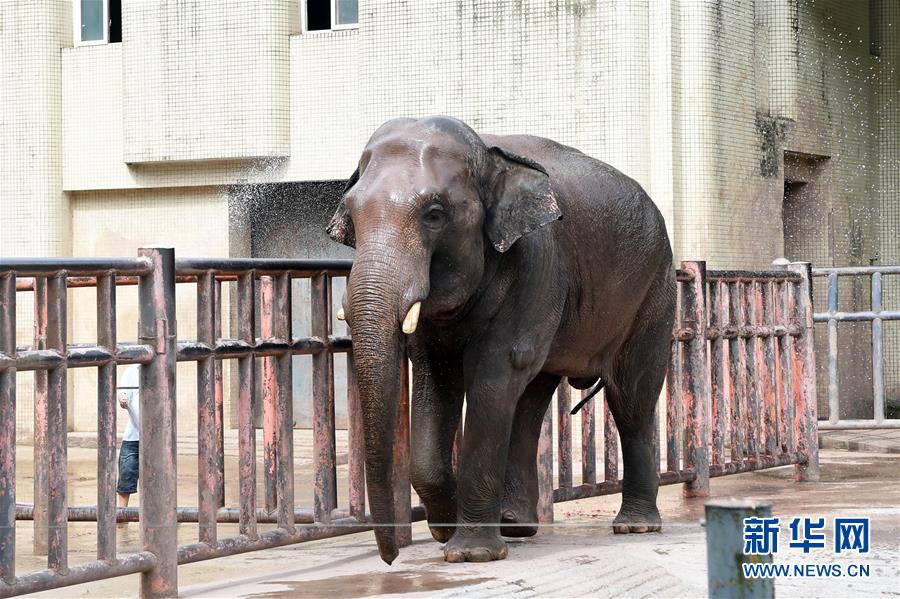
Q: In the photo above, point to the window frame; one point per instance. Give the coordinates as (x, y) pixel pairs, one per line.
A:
(304, 21)
(77, 28)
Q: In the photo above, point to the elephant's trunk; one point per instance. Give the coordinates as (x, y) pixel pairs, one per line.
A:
(379, 295)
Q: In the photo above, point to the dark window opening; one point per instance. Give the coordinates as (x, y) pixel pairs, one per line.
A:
(115, 21)
(318, 15)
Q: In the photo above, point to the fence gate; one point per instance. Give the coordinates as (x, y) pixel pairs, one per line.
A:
(740, 396)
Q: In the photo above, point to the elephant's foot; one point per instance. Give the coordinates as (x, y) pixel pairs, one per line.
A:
(517, 522)
(484, 548)
(441, 519)
(635, 517)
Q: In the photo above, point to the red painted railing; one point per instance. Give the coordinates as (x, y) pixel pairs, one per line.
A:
(741, 376)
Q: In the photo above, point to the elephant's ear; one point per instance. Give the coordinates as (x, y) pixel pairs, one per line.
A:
(521, 199)
(341, 226)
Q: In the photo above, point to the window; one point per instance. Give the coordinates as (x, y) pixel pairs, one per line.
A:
(97, 21)
(322, 15)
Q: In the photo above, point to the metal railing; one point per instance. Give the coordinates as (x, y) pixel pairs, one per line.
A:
(740, 376)
(876, 315)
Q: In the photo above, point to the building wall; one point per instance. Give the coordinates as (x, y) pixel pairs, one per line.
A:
(206, 80)
(698, 100)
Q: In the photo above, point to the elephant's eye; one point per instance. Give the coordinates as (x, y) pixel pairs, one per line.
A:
(434, 217)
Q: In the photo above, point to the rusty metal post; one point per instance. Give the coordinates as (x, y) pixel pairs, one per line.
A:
(545, 470)
(57, 479)
(106, 419)
(324, 458)
(588, 442)
(770, 417)
(673, 409)
(563, 435)
(737, 354)
(269, 393)
(610, 444)
(8, 427)
(753, 376)
(207, 442)
(695, 380)
(356, 456)
(41, 491)
(402, 504)
(246, 326)
(720, 383)
(783, 385)
(219, 414)
(725, 550)
(158, 424)
(284, 408)
(804, 364)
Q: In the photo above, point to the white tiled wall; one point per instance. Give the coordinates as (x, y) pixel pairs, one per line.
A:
(696, 99)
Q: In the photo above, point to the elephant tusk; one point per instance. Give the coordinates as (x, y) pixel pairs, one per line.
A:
(340, 314)
(412, 319)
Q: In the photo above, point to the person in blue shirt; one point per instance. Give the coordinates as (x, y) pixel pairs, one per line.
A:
(129, 394)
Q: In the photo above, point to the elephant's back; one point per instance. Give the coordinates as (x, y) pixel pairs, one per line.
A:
(599, 203)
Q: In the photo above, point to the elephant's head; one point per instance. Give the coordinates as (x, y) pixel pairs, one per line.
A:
(427, 203)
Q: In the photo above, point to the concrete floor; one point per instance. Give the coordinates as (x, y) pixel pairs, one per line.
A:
(578, 556)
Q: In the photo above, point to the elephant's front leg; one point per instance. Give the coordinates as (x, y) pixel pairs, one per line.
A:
(490, 407)
(436, 411)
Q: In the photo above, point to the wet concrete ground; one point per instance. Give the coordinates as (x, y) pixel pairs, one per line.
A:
(579, 556)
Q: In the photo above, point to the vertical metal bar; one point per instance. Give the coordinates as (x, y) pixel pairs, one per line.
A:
(785, 359)
(737, 352)
(877, 351)
(770, 419)
(106, 420)
(41, 463)
(545, 470)
(806, 420)
(588, 442)
(718, 314)
(610, 444)
(219, 418)
(57, 510)
(695, 381)
(284, 410)
(654, 439)
(207, 462)
(563, 435)
(8, 430)
(269, 393)
(457, 448)
(356, 456)
(324, 458)
(754, 390)
(673, 403)
(834, 408)
(158, 466)
(402, 504)
(725, 550)
(246, 315)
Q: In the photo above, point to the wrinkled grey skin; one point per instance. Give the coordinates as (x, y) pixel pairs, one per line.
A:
(513, 299)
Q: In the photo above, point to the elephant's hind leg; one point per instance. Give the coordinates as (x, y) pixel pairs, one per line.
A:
(518, 513)
(639, 372)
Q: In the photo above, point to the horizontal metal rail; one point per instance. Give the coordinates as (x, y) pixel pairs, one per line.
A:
(79, 267)
(876, 315)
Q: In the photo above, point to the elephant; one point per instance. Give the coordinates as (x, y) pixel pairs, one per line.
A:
(501, 264)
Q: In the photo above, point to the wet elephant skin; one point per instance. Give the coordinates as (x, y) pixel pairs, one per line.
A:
(504, 263)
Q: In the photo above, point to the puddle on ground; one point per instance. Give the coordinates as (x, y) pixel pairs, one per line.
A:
(368, 584)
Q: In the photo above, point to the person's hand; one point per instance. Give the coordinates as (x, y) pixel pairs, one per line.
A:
(123, 399)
